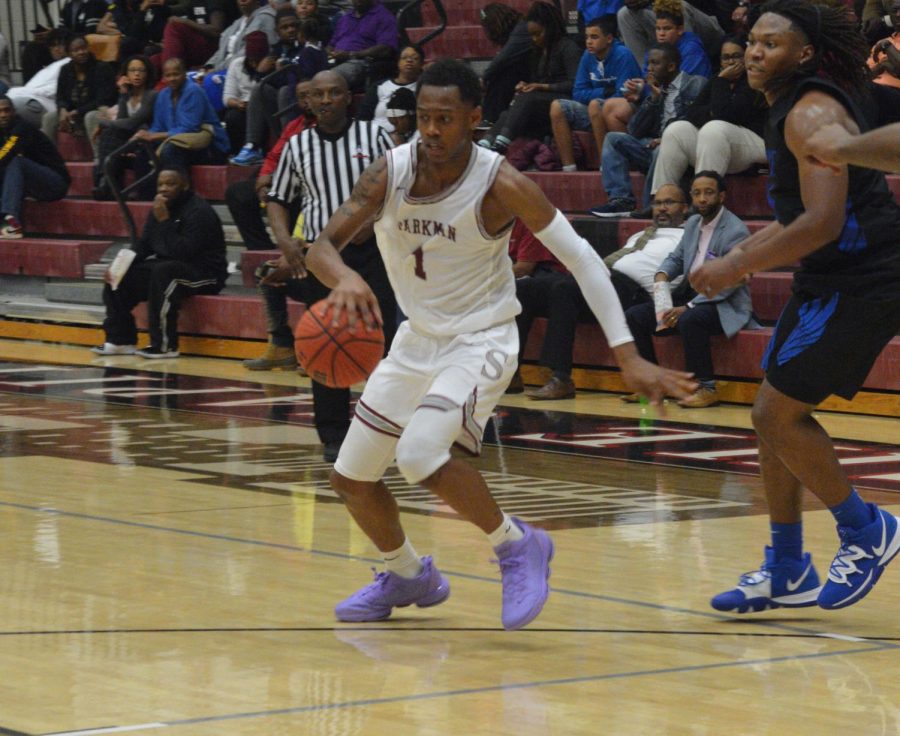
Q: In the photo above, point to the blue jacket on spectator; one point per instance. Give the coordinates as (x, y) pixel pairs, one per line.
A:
(192, 111)
(591, 9)
(602, 79)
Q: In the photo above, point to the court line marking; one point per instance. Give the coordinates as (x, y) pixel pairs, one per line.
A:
(466, 691)
(388, 629)
(345, 556)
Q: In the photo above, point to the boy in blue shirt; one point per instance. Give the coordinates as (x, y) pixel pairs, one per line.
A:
(604, 67)
(670, 29)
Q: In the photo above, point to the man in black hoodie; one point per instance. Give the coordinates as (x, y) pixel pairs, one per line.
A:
(181, 253)
(30, 166)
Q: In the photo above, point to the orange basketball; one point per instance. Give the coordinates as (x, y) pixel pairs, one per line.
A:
(336, 355)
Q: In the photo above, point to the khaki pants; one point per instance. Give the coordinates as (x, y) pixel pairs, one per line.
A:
(717, 146)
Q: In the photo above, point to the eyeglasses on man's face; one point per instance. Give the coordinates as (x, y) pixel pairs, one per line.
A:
(666, 202)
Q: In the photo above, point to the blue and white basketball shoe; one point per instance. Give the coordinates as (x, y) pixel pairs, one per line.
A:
(788, 583)
(860, 560)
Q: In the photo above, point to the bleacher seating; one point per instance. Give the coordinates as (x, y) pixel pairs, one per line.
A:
(237, 315)
(210, 182)
(231, 316)
(74, 147)
(464, 12)
(52, 258)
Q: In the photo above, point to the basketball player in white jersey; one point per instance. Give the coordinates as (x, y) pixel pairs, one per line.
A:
(443, 211)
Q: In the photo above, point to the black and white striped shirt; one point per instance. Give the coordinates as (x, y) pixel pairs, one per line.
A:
(323, 168)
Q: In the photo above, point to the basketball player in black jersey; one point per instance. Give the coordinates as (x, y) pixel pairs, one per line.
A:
(809, 61)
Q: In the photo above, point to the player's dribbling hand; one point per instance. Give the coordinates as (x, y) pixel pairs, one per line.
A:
(355, 296)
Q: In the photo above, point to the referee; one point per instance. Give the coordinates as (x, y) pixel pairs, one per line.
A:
(321, 165)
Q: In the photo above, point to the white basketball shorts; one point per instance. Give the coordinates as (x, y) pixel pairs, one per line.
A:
(461, 377)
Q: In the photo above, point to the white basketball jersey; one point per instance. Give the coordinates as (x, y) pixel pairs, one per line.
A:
(449, 276)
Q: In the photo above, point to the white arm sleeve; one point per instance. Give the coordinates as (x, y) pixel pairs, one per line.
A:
(591, 274)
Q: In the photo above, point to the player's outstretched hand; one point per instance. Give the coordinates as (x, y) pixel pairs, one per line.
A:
(716, 275)
(656, 383)
(355, 296)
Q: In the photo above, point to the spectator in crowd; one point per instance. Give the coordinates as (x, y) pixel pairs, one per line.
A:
(38, 95)
(181, 252)
(554, 64)
(84, 84)
(671, 92)
(878, 19)
(632, 272)
(77, 17)
(193, 34)
(5, 79)
(721, 131)
(247, 199)
(310, 10)
(184, 123)
(253, 17)
(140, 23)
(306, 162)
(401, 115)
(637, 26)
(30, 166)
(242, 78)
(297, 46)
(670, 29)
(375, 104)
(605, 65)
(709, 234)
(885, 58)
(533, 263)
(363, 37)
(506, 29)
(137, 97)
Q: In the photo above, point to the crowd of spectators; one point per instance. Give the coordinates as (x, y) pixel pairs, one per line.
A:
(661, 86)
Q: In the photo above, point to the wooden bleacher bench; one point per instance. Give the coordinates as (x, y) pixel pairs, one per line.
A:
(228, 316)
(210, 182)
(465, 12)
(738, 358)
(44, 257)
(458, 42)
(74, 147)
(253, 259)
(80, 217)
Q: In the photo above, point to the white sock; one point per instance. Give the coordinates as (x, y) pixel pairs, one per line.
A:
(403, 561)
(570, 167)
(508, 531)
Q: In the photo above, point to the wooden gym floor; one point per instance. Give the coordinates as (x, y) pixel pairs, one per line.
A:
(170, 554)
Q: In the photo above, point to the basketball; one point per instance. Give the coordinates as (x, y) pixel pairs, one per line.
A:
(336, 355)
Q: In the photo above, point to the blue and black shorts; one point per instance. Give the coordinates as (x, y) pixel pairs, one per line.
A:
(824, 345)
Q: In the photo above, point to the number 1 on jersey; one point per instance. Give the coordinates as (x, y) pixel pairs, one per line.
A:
(420, 269)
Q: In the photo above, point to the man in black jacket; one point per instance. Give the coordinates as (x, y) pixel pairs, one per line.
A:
(181, 252)
(29, 165)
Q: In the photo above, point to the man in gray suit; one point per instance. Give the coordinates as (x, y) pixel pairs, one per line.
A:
(709, 234)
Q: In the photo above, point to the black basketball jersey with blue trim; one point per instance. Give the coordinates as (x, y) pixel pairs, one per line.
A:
(864, 260)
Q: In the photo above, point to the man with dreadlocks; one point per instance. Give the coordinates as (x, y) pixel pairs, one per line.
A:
(809, 62)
